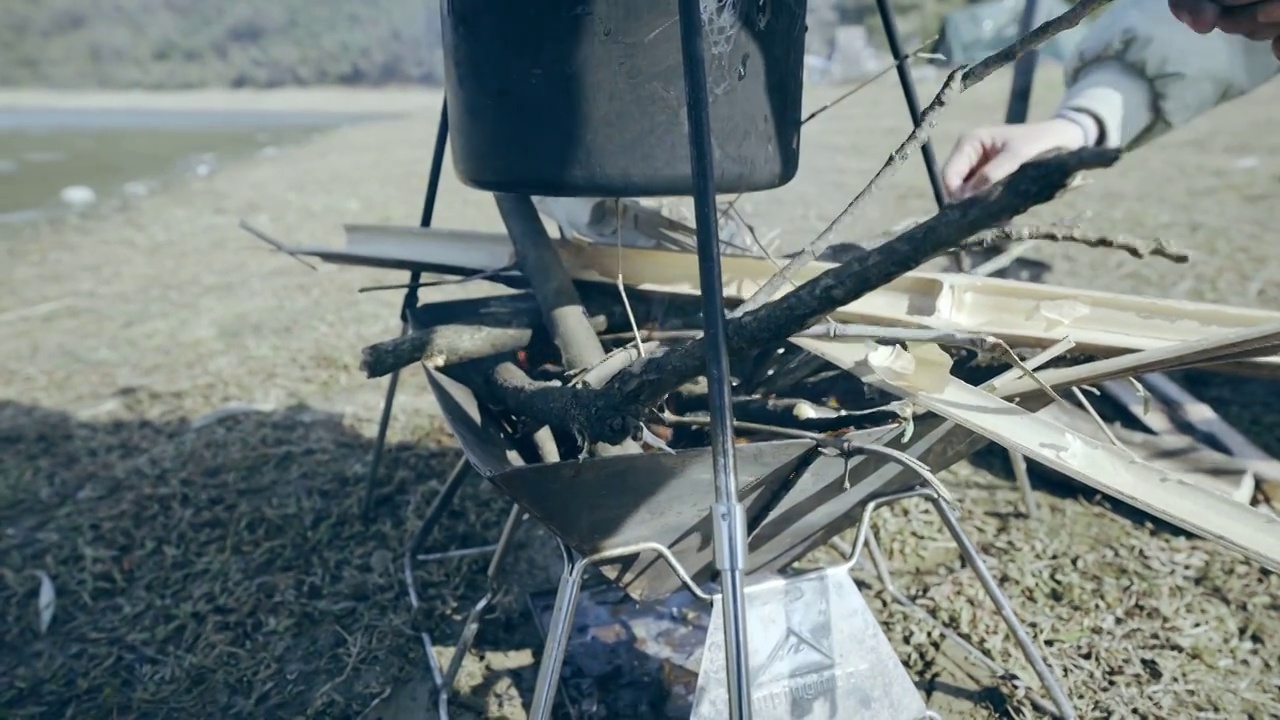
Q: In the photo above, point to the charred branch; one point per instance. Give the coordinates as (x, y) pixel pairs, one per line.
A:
(615, 412)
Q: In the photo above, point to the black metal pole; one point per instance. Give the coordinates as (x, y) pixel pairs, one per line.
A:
(1024, 70)
(410, 302)
(902, 61)
(729, 519)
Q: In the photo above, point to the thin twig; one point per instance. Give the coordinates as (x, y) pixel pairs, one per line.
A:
(244, 225)
(37, 310)
(1035, 362)
(1134, 247)
(1003, 260)
(1102, 425)
(917, 54)
(960, 79)
(353, 648)
(828, 236)
(622, 288)
(612, 364)
(484, 275)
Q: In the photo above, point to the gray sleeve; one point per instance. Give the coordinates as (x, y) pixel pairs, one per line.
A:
(1140, 72)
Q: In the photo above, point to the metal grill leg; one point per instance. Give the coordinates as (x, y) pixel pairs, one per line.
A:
(560, 627)
(472, 624)
(444, 678)
(410, 302)
(902, 59)
(880, 564)
(1029, 650)
(559, 630)
(889, 22)
(1024, 69)
(729, 518)
(865, 539)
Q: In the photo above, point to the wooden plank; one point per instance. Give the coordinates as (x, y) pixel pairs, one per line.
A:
(1175, 452)
(921, 376)
(1020, 313)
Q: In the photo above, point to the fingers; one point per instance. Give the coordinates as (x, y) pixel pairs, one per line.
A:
(967, 156)
(1199, 15)
(1259, 21)
(986, 156)
(1259, 33)
(997, 168)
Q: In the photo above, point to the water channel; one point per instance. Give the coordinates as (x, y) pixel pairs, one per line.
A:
(56, 161)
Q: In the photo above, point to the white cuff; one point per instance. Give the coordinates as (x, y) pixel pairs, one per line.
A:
(1090, 126)
(1117, 96)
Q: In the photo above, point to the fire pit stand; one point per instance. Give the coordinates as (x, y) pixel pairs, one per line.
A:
(815, 648)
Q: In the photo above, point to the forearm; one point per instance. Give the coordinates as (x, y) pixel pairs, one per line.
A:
(1113, 103)
(1138, 72)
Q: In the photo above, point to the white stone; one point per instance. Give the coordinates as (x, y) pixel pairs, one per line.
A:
(78, 196)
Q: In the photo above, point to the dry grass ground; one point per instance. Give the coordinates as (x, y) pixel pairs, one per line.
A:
(220, 569)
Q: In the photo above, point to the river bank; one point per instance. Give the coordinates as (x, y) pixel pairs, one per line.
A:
(69, 152)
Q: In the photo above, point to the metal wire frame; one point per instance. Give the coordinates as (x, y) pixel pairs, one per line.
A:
(559, 628)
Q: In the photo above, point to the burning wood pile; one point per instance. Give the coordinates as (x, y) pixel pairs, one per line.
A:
(608, 364)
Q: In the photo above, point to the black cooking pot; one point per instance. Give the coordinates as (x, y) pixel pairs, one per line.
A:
(586, 97)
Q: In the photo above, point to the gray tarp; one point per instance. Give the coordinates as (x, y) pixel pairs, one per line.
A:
(974, 32)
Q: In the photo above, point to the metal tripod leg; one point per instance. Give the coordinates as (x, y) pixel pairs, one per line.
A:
(880, 564)
(410, 302)
(1024, 69)
(444, 678)
(729, 520)
(560, 627)
(890, 24)
(472, 624)
(902, 60)
(864, 539)
(439, 504)
(1029, 650)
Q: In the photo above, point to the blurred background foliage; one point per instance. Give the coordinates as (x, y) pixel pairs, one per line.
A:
(216, 43)
(271, 43)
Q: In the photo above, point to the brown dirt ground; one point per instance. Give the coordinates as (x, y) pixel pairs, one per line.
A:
(220, 569)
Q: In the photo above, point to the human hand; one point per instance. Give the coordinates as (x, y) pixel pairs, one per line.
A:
(987, 155)
(1257, 20)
